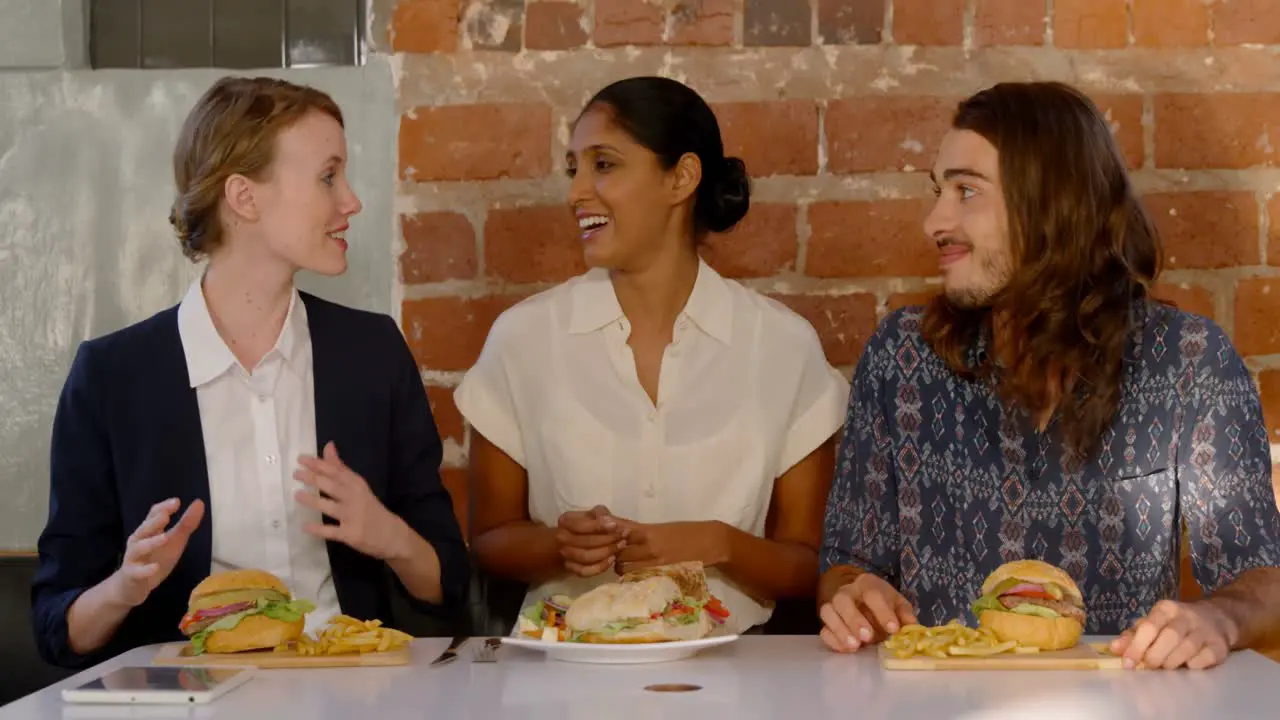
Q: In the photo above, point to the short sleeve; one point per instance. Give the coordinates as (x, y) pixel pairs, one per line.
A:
(821, 398)
(861, 525)
(1225, 474)
(485, 396)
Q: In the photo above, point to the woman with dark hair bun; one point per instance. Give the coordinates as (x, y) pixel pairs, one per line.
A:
(650, 411)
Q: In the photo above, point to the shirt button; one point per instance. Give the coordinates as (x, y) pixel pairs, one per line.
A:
(275, 524)
(652, 416)
(649, 492)
(262, 398)
(271, 459)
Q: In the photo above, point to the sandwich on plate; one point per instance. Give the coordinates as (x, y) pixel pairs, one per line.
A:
(242, 610)
(1032, 603)
(661, 604)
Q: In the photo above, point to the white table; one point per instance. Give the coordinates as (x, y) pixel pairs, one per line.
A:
(755, 677)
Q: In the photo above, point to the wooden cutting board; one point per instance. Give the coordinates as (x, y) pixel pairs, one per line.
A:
(177, 654)
(1093, 656)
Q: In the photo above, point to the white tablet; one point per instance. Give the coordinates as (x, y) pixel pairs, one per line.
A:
(160, 685)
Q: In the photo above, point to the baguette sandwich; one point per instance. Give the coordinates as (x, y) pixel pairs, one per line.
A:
(662, 604)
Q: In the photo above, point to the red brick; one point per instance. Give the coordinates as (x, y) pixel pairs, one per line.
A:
(848, 22)
(554, 26)
(889, 132)
(455, 481)
(494, 24)
(843, 322)
(1170, 23)
(438, 246)
(1124, 114)
(425, 26)
(1236, 22)
(762, 245)
(901, 300)
(476, 142)
(448, 418)
(702, 22)
(447, 333)
(1269, 386)
(1223, 130)
(1257, 307)
(928, 22)
(1190, 298)
(862, 239)
(1206, 229)
(1273, 233)
(1090, 23)
(772, 138)
(532, 244)
(1009, 22)
(777, 23)
(628, 22)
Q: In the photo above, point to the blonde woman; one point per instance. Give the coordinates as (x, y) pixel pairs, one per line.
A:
(251, 425)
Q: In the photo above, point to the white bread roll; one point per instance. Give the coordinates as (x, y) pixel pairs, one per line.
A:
(620, 602)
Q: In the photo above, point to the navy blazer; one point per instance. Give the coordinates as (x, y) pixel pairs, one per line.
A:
(127, 435)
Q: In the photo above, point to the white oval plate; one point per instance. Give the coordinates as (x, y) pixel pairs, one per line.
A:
(619, 654)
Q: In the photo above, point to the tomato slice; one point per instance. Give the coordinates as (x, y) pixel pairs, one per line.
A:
(1032, 594)
(715, 607)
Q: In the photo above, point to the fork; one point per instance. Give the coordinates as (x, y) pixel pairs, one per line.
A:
(488, 652)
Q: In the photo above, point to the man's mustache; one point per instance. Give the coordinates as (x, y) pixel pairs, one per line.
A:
(949, 241)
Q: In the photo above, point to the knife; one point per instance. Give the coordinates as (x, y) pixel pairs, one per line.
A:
(451, 653)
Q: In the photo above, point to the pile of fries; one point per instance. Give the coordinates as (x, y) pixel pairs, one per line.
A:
(950, 640)
(347, 635)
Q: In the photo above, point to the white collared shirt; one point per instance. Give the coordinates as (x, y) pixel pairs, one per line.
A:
(255, 425)
(744, 393)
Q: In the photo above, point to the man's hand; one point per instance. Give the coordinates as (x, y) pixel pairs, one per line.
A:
(1194, 635)
(364, 523)
(864, 612)
(589, 540)
(668, 543)
(151, 552)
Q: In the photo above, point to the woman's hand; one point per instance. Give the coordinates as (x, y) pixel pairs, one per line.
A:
(589, 540)
(364, 523)
(650, 545)
(151, 552)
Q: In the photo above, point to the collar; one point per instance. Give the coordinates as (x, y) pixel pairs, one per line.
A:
(207, 353)
(710, 305)
(980, 347)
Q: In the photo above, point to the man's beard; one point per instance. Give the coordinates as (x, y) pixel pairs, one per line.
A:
(995, 267)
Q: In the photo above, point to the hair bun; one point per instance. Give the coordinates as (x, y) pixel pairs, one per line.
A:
(177, 221)
(727, 196)
(190, 232)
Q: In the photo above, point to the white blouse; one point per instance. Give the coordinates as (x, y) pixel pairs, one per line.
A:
(255, 425)
(745, 393)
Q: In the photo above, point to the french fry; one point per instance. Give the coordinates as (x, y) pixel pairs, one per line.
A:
(950, 640)
(347, 635)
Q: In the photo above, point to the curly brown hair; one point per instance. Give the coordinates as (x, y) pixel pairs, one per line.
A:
(1084, 250)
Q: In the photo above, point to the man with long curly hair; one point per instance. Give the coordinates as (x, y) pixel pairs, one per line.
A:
(1045, 406)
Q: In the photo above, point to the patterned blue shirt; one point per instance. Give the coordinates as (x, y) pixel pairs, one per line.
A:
(937, 483)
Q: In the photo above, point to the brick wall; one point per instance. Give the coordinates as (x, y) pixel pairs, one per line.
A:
(836, 106)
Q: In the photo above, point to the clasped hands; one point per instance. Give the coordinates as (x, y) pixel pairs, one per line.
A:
(593, 541)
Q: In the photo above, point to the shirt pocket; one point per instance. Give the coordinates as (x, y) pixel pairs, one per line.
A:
(1137, 517)
(719, 477)
(578, 452)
